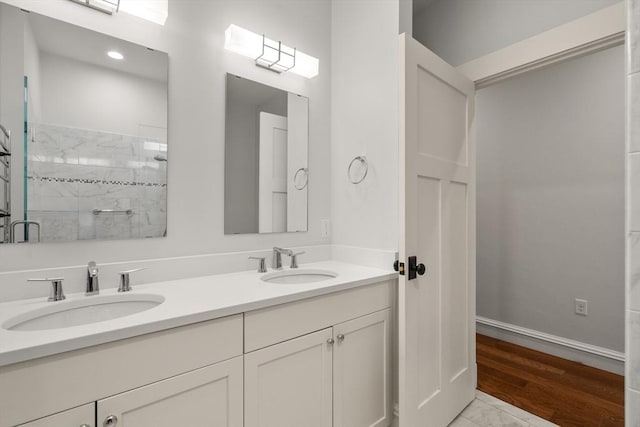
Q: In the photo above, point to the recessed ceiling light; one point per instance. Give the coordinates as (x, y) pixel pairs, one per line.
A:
(115, 55)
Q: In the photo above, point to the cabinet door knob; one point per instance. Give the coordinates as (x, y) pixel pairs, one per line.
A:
(340, 337)
(110, 421)
(330, 341)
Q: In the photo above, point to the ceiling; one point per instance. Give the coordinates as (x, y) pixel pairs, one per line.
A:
(70, 41)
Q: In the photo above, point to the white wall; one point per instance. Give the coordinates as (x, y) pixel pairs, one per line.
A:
(98, 98)
(551, 199)
(462, 30)
(364, 100)
(632, 398)
(193, 38)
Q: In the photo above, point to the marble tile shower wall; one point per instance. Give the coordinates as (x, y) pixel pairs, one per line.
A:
(72, 172)
(632, 402)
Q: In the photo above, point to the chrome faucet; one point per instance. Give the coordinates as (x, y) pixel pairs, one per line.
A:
(262, 267)
(294, 259)
(57, 294)
(277, 257)
(125, 281)
(92, 279)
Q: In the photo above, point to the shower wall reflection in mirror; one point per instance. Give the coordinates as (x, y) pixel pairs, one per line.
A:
(266, 166)
(88, 119)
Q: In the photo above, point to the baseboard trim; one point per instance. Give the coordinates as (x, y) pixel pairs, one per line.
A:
(592, 355)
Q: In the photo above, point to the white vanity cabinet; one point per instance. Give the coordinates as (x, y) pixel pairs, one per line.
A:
(338, 376)
(290, 384)
(82, 416)
(159, 368)
(323, 361)
(209, 396)
(362, 371)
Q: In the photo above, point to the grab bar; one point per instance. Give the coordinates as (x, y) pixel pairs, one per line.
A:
(112, 211)
(14, 224)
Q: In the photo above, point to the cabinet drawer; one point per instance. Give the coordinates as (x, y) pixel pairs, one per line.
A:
(76, 417)
(44, 386)
(276, 324)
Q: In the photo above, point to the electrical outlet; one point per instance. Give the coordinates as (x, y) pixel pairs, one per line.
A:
(325, 227)
(581, 306)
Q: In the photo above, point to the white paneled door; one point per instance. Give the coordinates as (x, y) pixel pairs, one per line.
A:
(272, 170)
(437, 222)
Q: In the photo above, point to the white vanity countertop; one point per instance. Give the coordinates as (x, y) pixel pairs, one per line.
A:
(186, 301)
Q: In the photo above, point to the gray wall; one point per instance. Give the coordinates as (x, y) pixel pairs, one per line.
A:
(551, 199)
(633, 216)
(462, 30)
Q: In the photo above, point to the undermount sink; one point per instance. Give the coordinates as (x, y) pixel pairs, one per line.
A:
(83, 311)
(298, 276)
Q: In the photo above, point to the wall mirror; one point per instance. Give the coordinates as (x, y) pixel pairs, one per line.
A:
(87, 113)
(266, 167)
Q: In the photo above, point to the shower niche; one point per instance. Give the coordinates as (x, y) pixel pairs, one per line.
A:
(89, 149)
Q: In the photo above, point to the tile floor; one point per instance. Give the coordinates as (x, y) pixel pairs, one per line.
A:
(488, 411)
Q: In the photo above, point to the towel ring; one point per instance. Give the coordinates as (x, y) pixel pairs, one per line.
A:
(365, 164)
(306, 179)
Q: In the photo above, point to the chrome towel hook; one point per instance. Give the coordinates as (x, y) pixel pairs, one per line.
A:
(357, 178)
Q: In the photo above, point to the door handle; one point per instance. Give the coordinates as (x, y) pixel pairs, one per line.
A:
(415, 269)
(399, 267)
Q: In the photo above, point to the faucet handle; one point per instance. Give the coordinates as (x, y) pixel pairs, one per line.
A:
(125, 282)
(57, 294)
(93, 287)
(262, 267)
(92, 268)
(294, 258)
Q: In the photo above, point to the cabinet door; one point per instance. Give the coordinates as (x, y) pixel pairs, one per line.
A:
(207, 397)
(289, 384)
(81, 416)
(362, 371)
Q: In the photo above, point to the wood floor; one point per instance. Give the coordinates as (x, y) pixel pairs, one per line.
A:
(561, 391)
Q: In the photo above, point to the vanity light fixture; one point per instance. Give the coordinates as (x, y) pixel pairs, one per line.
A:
(105, 6)
(152, 10)
(270, 54)
(115, 55)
